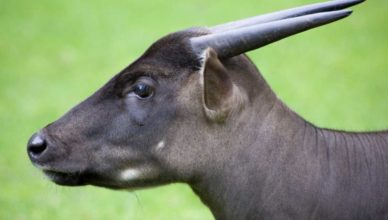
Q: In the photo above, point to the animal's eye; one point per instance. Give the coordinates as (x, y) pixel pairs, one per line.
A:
(142, 90)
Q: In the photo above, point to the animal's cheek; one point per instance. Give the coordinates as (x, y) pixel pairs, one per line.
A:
(138, 117)
(138, 111)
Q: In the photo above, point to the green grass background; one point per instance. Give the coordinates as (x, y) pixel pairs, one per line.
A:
(53, 54)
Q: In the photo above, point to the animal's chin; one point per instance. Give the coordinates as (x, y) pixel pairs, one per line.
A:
(64, 179)
(78, 179)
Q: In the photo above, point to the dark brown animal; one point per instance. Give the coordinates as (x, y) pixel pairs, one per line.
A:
(193, 109)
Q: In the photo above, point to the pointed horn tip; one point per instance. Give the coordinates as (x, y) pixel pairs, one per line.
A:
(338, 14)
(356, 2)
(346, 12)
(351, 2)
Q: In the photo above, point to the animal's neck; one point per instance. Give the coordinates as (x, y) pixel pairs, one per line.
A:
(233, 189)
(274, 153)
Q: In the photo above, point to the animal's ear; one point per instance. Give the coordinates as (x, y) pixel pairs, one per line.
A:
(221, 96)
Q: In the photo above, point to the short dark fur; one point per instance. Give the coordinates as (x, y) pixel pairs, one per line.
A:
(262, 162)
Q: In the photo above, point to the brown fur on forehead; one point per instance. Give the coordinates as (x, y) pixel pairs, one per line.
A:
(174, 51)
(170, 56)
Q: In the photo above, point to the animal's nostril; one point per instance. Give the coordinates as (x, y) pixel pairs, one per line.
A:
(36, 145)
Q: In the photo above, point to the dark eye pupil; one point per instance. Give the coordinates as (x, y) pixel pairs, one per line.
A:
(142, 90)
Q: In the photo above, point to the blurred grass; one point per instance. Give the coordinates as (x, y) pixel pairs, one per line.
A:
(54, 53)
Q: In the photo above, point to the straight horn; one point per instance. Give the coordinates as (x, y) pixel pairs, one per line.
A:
(236, 38)
(288, 13)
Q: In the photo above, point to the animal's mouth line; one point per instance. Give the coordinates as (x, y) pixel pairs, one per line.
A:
(64, 178)
(63, 173)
